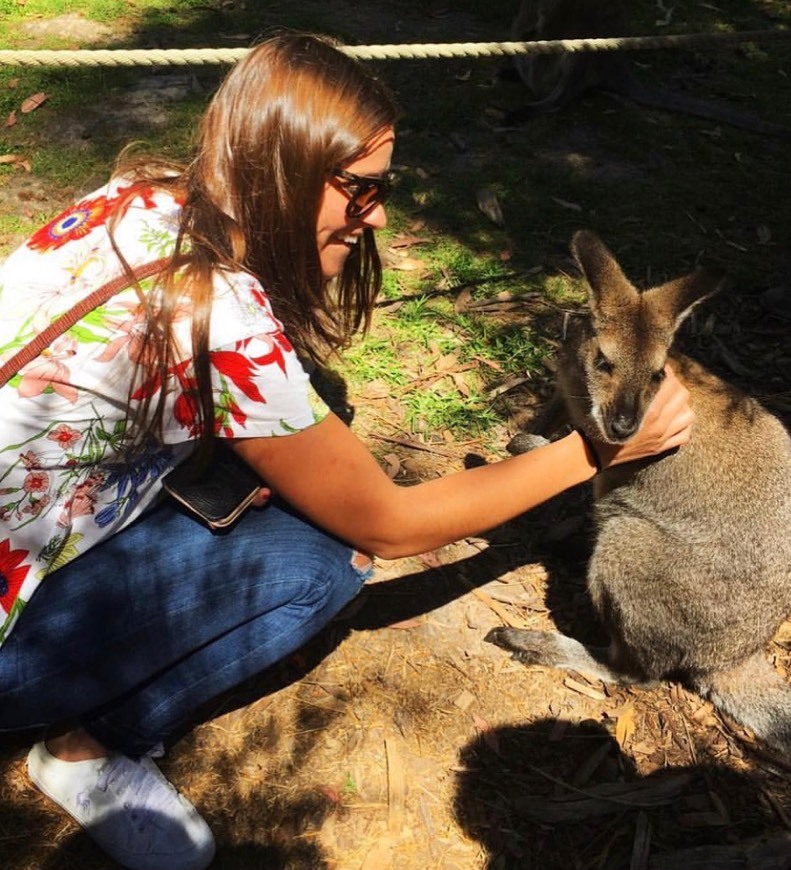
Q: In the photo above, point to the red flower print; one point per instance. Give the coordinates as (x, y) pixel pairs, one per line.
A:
(239, 369)
(82, 500)
(74, 223)
(185, 410)
(64, 436)
(275, 346)
(12, 573)
(35, 507)
(36, 481)
(29, 459)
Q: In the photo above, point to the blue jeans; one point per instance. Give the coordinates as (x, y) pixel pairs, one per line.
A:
(136, 634)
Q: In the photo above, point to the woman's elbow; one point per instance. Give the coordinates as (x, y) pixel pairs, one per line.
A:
(391, 540)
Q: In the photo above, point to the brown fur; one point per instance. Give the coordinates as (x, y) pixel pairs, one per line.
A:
(691, 570)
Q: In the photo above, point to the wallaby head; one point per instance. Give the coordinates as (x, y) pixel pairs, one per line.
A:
(622, 349)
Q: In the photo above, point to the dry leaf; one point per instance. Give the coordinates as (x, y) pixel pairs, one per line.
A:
(573, 206)
(488, 734)
(16, 160)
(331, 792)
(403, 241)
(10, 120)
(32, 103)
(463, 300)
(459, 143)
(393, 465)
(489, 204)
(624, 727)
(407, 264)
(12, 83)
(430, 559)
(405, 624)
(461, 384)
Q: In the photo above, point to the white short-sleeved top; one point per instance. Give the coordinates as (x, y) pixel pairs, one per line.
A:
(63, 487)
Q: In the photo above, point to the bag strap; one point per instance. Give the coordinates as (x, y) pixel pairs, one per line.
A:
(66, 320)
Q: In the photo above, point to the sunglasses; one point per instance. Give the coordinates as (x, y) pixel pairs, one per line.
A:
(365, 192)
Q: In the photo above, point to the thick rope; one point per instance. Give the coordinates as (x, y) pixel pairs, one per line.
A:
(205, 56)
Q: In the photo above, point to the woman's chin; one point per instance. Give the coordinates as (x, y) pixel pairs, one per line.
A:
(333, 260)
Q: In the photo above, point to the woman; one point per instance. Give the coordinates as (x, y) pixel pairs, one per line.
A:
(143, 614)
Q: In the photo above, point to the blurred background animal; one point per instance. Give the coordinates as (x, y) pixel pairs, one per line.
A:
(691, 568)
(558, 79)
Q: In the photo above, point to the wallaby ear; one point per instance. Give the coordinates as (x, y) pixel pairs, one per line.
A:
(676, 299)
(610, 291)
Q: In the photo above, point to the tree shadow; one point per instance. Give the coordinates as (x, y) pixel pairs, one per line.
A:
(558, 795)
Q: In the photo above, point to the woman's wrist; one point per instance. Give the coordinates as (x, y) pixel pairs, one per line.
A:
(591, 454)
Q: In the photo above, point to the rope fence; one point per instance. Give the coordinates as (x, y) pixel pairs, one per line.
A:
(409, 51)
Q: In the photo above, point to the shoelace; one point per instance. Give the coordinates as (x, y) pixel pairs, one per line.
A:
(141, 790)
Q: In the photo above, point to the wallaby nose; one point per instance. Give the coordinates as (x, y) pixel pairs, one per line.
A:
(623, 425)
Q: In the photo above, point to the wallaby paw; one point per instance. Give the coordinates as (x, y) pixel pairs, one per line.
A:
(527, 647)
(525, 442)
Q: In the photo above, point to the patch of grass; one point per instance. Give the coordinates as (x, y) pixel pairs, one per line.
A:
(439, 409)
(373, 358)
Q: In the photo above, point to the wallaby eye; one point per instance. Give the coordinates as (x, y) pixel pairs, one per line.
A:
(602, 364)
(658, 377)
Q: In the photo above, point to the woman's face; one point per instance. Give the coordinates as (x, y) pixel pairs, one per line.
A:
(337, 233)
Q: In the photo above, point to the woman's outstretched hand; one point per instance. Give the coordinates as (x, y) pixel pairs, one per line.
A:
(666, 425)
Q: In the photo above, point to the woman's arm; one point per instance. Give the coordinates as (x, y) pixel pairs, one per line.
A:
(326, 473)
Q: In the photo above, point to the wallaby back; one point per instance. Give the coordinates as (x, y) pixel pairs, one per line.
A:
(691, 570)
(557, 80)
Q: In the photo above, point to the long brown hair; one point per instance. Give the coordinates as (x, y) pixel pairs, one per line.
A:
(294, 108)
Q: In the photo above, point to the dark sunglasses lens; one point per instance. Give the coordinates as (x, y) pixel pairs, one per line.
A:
(367, 198)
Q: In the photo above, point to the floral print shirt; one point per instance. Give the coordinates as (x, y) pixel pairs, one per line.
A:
(63, 486)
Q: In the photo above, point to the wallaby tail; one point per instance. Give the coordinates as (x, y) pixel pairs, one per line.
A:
(673, 101)
(755, 696)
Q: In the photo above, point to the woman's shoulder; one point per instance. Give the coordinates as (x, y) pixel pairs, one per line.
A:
(241, 300)
(143, 219)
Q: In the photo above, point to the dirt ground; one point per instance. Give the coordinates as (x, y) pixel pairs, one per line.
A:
(400, 739)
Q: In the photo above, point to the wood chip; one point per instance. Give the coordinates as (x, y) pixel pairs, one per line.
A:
(605, 799)
(381, 855)
(641, 848)
(762, 855)
(591, 764)
(572, 684)
(396, 788)
(464, 699)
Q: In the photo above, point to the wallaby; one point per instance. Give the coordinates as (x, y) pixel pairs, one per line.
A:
(691, 568)
(556, 80)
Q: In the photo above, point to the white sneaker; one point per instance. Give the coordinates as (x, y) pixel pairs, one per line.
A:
(128, 808)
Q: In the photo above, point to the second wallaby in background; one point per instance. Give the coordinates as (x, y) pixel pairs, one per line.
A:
(557, 79)
(691, 568)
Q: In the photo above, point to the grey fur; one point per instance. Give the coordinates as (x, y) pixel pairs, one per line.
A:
(557, 80)
(691, 570)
